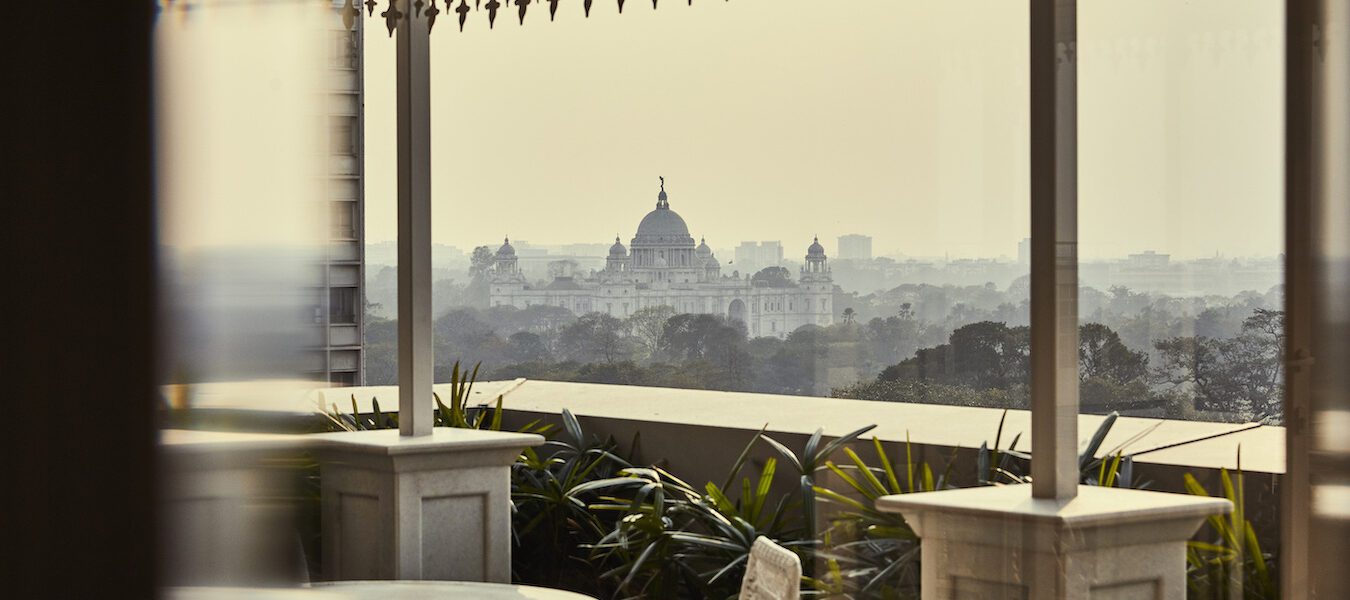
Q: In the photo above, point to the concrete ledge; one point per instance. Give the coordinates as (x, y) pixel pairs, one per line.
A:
(922, 424)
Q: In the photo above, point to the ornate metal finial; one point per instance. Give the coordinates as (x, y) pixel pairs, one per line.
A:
(492, 7)
(391, 17)
(463, 10)
(663, 182)
(507, 241)
(399, 10)
(431, 13)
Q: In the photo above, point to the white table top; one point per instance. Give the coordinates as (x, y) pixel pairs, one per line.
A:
(427, 590)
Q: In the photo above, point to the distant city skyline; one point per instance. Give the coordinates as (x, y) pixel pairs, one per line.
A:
(904, 121)
(597, 251)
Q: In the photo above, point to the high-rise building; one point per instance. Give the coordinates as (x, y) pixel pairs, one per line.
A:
(753, 256)
(1024, 251)
(855, 247)
(341, 315)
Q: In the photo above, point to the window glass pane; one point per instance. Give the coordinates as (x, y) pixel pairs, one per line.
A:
(342, 305)
(690, 222)
(1181, 244)
(1180, 222)
(829, 210)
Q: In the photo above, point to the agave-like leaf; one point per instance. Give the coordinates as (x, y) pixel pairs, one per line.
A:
(1090, 452)
(719, 499)
(573, 427)
(834, 496)
(890, 570)
(637, 565)
(886, 467)
(839, 442)
(785, 452)
(811, 444)
(765, 483)
(909, 464)
(849, 479)
(496, 424)
(601, 484)
(982, 464)
(729, 566)
(745, 454)
(1263, 578)
(1126, 478)
(878, 489)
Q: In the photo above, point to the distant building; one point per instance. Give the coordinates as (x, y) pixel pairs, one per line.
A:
(1024, 251)
(340, 312)
(855, 247)
(753, 256)
(1148, 260)
(665, 268)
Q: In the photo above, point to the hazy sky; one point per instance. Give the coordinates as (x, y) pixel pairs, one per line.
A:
(781, 119)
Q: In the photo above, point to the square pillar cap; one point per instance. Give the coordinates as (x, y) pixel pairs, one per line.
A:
(191, 441)
(388, 442)
(1094, 505)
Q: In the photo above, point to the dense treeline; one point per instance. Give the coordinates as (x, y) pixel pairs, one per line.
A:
(1211, 358)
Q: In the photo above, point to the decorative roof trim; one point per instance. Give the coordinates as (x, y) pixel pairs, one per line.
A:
(429, 10)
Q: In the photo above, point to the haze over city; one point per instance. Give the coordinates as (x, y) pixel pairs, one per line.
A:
(558, 136)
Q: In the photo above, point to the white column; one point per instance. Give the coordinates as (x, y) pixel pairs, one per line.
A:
(1052, 539)
(1299, 283)
(415, 366)
(1054, 249)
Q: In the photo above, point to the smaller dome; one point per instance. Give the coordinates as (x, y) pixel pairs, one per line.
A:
(703, 250)
(506, 249)
(815, 250)
(711, 262)
(618, 250)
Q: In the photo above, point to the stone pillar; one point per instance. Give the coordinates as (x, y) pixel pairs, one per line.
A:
(1000, 542)
(426, 507)
(229, 509)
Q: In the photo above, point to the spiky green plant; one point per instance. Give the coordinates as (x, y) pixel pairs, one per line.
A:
(674, 540)
(458, 413)
(995, 466)
(813, 460)
(1229, 563)
(880, 557)
(552, 522)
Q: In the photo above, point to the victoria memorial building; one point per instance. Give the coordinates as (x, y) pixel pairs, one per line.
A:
(663, 267)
